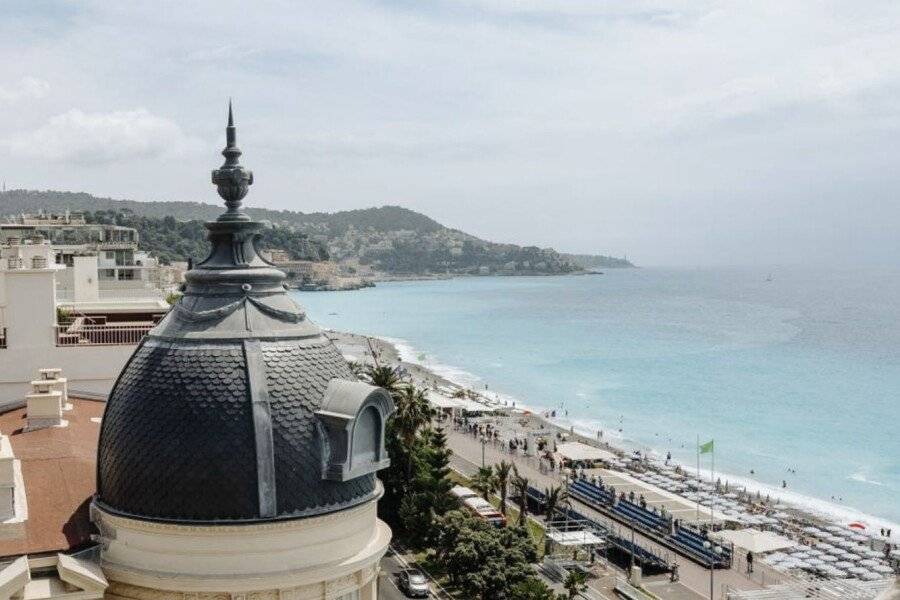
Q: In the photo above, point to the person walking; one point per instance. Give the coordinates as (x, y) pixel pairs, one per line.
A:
(749, 562)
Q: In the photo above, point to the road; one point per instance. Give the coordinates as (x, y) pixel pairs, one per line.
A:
(387, 580)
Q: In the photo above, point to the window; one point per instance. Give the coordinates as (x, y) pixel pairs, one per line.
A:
(366, 437)
(126, 275)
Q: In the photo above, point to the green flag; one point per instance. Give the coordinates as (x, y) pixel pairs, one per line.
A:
(707, 447)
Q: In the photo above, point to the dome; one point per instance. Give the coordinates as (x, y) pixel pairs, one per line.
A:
(236, 408)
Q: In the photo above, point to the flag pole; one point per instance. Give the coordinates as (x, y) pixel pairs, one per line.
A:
(712, 476)
(698, 480)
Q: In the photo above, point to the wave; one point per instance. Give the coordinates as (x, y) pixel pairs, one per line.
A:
(860, 476)
(589, 428)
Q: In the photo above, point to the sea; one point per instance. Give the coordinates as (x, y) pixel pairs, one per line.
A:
(793, 372)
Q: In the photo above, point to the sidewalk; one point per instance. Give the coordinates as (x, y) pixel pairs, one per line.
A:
(467, 458)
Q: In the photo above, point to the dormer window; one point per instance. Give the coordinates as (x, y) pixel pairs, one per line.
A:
(351, 425)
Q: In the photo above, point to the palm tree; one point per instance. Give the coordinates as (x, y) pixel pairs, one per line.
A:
(385, 377)
(413, 412)
(358, 368)
(484, 482)
(520, 485)
(501, 474)
(554, 497)
(574, 583)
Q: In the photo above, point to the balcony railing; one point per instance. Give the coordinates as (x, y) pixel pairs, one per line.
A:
(79, 333)
(2, 337)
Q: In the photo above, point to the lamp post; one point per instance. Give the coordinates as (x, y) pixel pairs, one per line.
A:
(716, 551)
(483, 444)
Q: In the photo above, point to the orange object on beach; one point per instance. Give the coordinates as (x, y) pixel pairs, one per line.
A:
(856, 525)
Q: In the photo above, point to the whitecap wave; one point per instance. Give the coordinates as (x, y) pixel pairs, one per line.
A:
(861, 477)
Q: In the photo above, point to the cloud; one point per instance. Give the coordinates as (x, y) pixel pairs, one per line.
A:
(103, 138)
(27, 88)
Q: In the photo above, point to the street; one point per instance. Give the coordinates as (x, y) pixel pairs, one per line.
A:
(387, 580)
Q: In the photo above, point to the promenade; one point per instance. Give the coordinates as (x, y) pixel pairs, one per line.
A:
(467, 458)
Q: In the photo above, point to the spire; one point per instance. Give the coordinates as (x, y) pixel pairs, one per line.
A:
(232, 180)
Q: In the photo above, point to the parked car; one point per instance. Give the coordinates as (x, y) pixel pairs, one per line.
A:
(413, 583)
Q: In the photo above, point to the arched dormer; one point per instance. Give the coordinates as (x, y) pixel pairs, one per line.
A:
(351, 426)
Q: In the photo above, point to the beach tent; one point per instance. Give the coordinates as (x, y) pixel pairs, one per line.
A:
(754, 540)
(577, 451)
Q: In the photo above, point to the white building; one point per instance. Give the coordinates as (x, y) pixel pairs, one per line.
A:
(86, 333)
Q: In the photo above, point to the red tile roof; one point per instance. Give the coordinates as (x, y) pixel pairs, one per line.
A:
(58, 466)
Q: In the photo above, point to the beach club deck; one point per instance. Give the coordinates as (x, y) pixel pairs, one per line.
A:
(677, 506)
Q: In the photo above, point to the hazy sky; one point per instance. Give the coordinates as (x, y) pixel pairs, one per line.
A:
(683, 133)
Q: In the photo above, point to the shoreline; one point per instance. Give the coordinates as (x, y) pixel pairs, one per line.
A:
(397, 352)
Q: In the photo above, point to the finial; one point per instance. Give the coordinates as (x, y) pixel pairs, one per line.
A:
(232, 180)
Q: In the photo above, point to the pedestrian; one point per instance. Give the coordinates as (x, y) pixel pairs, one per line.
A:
(749, 562)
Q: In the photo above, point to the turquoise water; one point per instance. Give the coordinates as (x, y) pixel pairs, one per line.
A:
(800, 373)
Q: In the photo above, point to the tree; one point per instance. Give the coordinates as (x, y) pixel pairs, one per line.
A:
(485, 562)
(385, 377)
(412, 412)
(520, 486)
(532, 589)
(484, 482)
(501, 475)
(358, 368)
(574, 583)
(554, 497)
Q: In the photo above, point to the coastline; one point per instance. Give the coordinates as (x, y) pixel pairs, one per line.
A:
(416, 364)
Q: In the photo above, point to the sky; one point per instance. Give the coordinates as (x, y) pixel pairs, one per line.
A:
(685, 133)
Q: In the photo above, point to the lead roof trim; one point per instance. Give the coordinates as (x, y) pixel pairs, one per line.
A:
(262, 423)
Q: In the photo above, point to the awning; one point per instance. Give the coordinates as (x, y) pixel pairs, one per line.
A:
(575, 538)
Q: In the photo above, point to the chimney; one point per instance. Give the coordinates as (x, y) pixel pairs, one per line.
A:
(44, 406)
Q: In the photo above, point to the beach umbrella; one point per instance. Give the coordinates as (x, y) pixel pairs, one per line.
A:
(801, 548)
(814, 552)
(833, 528)
(829, 558)
(837, 573)
(844, 564)
(811, 530)
(883, 569)
(800, 555)
(870, 576)
(869, 552)
(824, 546)
(836, 551)
(869, 562)
(857, 570)
(857, 525)
(815, 562)
(853, 557)
(858, 537)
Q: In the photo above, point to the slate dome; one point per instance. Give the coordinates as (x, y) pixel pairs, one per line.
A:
(214, 417)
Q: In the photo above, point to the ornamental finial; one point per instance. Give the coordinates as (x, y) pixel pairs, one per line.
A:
(232, 180)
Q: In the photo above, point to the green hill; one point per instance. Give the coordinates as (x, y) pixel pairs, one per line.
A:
(390, 239)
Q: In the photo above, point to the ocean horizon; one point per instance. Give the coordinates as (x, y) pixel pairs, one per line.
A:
(793, 372)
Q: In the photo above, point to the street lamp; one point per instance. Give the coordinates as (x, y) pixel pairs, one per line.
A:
(716, 551)
(483, 444)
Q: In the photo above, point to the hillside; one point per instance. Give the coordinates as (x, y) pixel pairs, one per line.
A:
(599, 261)
(389, 239)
